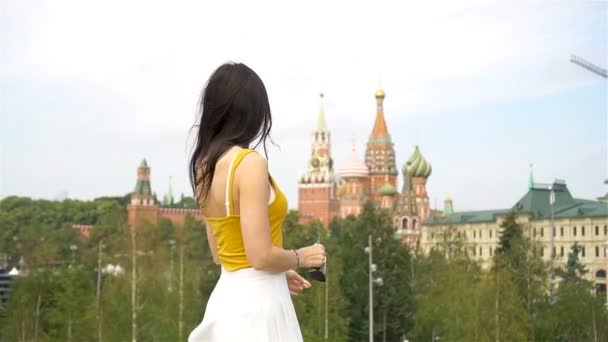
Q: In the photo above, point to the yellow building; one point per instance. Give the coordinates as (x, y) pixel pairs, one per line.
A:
(574, 220)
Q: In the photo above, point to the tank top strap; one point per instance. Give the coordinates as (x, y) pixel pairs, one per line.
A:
(236, 160)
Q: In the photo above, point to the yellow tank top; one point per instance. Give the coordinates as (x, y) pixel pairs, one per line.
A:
(227, 229)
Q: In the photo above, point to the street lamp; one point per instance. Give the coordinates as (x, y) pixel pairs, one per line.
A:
(73, 249)
(172, 246)
(552, 255)
(372, 268)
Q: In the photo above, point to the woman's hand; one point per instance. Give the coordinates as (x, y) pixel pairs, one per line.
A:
(296, 282)
(312, 256)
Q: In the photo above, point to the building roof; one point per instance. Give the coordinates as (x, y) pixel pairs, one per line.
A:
(467, 217)
(537, 204)
(355, 166)
(143, 188)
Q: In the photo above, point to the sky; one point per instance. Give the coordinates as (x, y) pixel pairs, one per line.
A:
(90, 88)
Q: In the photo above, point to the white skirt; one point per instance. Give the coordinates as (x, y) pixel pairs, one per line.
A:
(249, 305)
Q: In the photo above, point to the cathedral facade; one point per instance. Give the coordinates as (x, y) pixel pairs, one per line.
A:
(324, 194)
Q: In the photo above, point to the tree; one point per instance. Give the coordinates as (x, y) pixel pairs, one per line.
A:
(501, 315)
(394, 302)
(577, 314)
(511, 232)
(311, 303)
(517, 256)
(446, 293)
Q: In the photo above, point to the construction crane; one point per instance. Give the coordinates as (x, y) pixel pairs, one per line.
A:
(588, 65)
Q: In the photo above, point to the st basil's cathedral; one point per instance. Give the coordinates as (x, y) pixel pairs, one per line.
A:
(324, 194)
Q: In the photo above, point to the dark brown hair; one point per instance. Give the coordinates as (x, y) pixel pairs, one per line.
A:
(233, 110)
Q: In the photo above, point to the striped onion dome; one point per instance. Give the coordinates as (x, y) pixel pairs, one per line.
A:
(354, 167)
(417, 166)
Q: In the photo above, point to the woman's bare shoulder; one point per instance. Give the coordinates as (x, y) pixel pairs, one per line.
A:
(253, 164)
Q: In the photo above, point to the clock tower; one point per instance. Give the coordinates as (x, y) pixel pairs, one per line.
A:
(317, 197)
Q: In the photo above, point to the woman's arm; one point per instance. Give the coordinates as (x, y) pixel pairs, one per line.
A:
(251, 178)
(212, 243)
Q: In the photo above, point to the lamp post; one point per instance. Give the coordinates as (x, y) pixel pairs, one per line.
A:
(98, 292)
(171, 262)
(551, 271)
(372, 269)
(326, 303)
(73, 249)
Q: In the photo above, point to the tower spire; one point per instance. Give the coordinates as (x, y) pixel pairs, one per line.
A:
(380, 131)
(168, 199)
(321, 122)
(531, 179)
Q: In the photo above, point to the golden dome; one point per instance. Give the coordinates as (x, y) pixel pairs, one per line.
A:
(380, 93)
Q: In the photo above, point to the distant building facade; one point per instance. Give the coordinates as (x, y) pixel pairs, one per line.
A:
(574, 220)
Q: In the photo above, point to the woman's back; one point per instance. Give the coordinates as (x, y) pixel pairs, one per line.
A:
(222, 209)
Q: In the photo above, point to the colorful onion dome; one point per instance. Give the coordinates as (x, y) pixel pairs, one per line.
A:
(417, 166)
(387, 190)
(354, 167)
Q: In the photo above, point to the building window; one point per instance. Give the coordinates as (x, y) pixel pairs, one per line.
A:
(561, 251)
(605, 230)
(404, 223)
(574, 231)
(474, 234)
(490, 233)
(534, 232)
(583, 252)
(600, 274)
(542, 232)
(583, 231)
(553, 230)
(561, 231)
(597, 230)
(480, 251)
(490, 249)
(414, 224)
(553, 252)
(474, 251)
(597, 251)
(542, 251)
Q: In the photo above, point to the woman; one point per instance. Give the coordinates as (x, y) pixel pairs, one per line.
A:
(244, 209)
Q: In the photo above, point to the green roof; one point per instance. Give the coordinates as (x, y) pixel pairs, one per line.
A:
(467, 217)
(144, 164)
(143, 188)
(536, 203)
